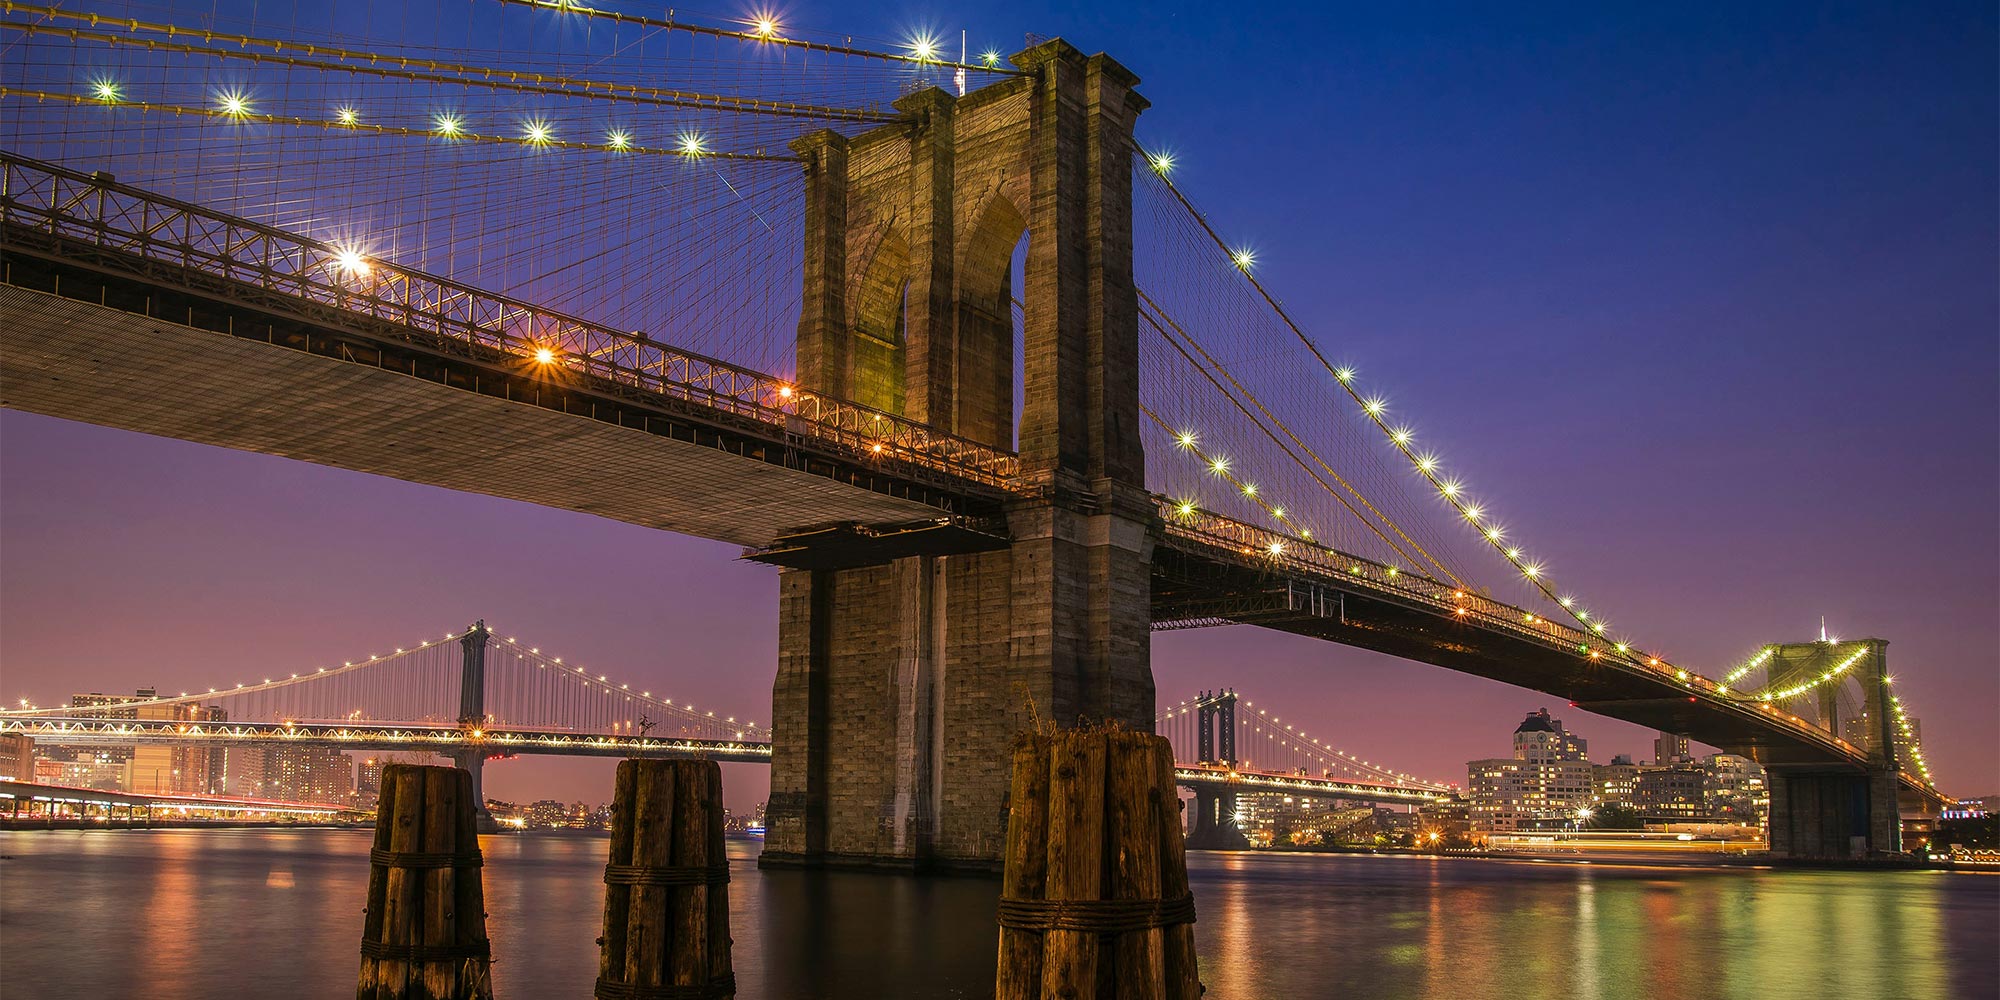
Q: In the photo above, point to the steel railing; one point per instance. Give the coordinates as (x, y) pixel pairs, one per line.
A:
(95, 210)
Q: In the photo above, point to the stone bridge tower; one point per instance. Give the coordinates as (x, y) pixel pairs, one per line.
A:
(902, 678)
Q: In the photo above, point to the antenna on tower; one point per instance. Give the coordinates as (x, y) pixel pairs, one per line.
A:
(1822, 628)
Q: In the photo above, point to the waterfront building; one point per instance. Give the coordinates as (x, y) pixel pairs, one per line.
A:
(82, 768)
(1670, 749)
(17, 757)
(1736, 790)
(1613, 784)
(308, 774)
(1677, 792)
(1548, 778)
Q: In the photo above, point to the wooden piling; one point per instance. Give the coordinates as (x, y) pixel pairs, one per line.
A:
(1025, 868)
(666, 911)
(1094, 900)
(424, 933)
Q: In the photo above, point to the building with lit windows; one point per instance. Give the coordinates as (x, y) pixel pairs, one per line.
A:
(1679, 792)
(308, 774)
(1547, 780)
(17, 757)
(1737, 790)
(1613, 784)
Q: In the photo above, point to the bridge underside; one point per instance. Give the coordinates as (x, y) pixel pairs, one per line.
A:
(110, 350)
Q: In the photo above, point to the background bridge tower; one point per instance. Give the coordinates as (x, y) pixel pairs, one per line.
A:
(1215, 810)
(472, 711)
(1830, 813)
(906, 667)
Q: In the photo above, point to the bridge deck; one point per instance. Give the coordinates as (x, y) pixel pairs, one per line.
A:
(117, 368)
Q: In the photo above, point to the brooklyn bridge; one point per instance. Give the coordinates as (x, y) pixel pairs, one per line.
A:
(940, 340)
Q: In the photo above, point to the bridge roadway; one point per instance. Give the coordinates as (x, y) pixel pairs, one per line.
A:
(131, 310)
(445, 740)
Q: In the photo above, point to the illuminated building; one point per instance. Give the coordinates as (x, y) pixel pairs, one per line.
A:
(1670, 749)
(1671, 793)
(1548, 778)
(1613, 784)
(1737, 790)
(17, 757)
(291, 773)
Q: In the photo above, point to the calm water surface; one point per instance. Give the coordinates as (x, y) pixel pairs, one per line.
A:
(277, 913)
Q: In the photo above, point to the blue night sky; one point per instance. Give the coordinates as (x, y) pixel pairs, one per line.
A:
(1702, 296)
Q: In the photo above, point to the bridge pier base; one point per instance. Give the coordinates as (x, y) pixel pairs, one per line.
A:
(901, 688)
(473, 762)
(1215, 826)
(1834, 816)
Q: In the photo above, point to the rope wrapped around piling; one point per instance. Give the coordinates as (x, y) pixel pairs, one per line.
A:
(715, 874)
(426, 952)
(1096, 916)
(713, 990)
(426, 859)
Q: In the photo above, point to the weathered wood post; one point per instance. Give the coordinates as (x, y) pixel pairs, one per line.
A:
(1094, 900)
(424, 935)
(666, 889)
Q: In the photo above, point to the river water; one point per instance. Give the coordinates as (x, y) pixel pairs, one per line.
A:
(277, 913)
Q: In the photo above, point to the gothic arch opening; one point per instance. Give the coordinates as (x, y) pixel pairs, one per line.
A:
(879, 325)
(988, 330)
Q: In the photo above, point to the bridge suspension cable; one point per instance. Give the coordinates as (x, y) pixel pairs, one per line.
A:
(534, 137)
(1154, 316)
(1374, 409)
(390, 66)
(1267, 744)
(924, 51)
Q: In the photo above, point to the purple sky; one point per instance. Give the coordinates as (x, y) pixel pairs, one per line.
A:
(1703, 301)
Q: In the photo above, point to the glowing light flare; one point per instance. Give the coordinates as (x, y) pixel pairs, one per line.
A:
(1243, 258)
(618, 139)
(765, 26)
(233, 103)
(351, 262)
(924, 48)
(104, 90)
(447, 125)
(537, 132)
(692, 144)
(544, 356)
